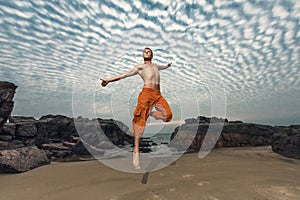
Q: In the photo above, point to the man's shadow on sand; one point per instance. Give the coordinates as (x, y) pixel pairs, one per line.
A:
(152, 166)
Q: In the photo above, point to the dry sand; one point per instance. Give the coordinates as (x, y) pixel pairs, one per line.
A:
(231, 173)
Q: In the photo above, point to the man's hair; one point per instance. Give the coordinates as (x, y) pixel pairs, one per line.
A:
(150, 50)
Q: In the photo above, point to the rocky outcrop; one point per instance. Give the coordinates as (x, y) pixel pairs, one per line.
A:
(285, 140)
(54, 129)
(58, 135)
(22, 159)
(7, 91)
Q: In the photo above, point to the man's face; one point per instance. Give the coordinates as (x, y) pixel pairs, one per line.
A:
(147, 54)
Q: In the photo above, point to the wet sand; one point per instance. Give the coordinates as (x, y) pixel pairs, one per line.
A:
(231, 173)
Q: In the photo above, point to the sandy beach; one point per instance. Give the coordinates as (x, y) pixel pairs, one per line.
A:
(229, 173)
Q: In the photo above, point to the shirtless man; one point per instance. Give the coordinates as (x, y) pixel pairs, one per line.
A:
(149, 98)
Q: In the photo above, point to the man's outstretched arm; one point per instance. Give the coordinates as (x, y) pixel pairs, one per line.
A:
(164, 66)
(131, 72)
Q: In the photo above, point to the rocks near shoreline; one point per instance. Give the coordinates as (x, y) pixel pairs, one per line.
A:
(285, 140)
(57, 136)
(26, 143)
(22, 159)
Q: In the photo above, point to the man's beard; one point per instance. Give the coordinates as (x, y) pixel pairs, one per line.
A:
(147, 59)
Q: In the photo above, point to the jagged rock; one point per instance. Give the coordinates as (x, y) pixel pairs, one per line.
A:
(116, 131)
(61, 153)
(54, 127)
(57, 135)
(26, 129)
(3, 145)
(29, 142)
(5, 137)
(7, 91)
(190, 136)
(287, 141)
(9, 129)
(57, 150)
(207, 120)
(79, 149)
(20, 119)
(19, 135)
(15, 144)
(288, 146)
(86, 150)
(22, 159)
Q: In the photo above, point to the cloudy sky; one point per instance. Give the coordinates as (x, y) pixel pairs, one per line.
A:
(235, 59)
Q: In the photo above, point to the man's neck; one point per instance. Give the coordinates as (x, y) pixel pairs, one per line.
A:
(146, 61)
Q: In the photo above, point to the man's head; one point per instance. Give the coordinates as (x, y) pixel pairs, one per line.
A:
(147, 54)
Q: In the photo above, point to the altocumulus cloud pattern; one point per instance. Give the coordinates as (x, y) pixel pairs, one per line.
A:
(254, 44)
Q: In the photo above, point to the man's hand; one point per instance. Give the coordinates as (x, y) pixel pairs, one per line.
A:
(169, 64)
(104, 82)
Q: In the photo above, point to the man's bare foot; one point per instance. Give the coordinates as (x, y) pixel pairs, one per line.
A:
(136, 160)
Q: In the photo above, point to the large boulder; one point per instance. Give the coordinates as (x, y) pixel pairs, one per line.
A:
(7, 91)
(22, 159)
(287, 141)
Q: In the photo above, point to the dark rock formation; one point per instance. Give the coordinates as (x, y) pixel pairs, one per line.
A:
(190, 136)
(18, 119)
(116, 131)
(22, 159)
(58, 135)
(80, 150)
(7, 91)
(54, 128)
(287, 141)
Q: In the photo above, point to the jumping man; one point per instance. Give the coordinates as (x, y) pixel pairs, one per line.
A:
(149, 98)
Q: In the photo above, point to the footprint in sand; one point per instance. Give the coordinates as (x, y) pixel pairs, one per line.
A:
(212, 198)
(202, 183)
(156, 196)
(188, 176)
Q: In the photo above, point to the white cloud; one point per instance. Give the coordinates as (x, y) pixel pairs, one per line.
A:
(280, 11)
(249, 8)
(46, 52)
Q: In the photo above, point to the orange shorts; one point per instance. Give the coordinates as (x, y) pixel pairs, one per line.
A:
(147, 100)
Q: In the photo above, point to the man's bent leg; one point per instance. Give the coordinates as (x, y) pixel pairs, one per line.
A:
(163, 111)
